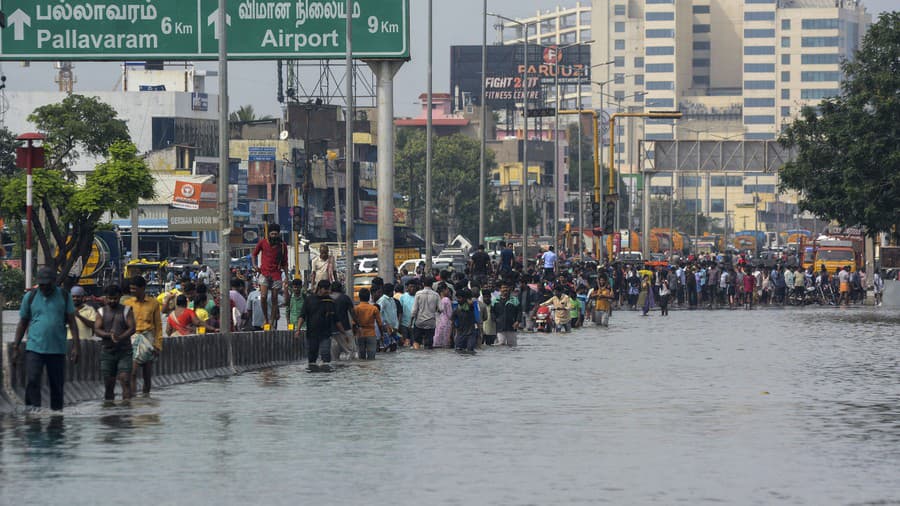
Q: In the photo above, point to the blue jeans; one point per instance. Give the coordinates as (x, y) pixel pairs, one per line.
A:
(56, 376)
(366, 347)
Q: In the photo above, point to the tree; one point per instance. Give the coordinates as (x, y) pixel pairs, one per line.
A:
(847, 165)
(72, 209)
(245, 114)
(75, 125)
(8, 145)
(455, 188)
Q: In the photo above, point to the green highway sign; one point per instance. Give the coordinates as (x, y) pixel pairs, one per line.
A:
(189, 29)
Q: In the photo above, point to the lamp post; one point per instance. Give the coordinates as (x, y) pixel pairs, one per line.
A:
(524, 136)
(482, 183)
(29, 157)
(556, 163)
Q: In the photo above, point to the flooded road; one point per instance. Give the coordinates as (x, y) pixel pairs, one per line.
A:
(793, 406)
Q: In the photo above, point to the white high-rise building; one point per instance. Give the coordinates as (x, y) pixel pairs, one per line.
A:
(736, 68)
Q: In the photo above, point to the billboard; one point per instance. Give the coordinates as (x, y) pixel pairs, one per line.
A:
(188, 195)
(505, 67)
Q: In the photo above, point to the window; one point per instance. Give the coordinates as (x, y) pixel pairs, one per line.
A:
(759, 67)
(659, 67)
(820, 59)
(785, 94)
(620, 147)
(759, 85)
(620, 61)
(661, 103)
(701, 9)
(818, 94)
(701, 28)
(759, 188)
(620, 26)
(785, 24)
(785, 59)
(620, 44)
(567, 21)
(660, 190)
(722, 181)
(639, 97)
(619, 95)
(585, 35)
(759, 136)
(659, 121)
(660, 16)
(759, 120)
(785, 76)
(819, 24)
(701, 62)
(701, 80)
(701, 45)
(547, 41)
(759, 1)
(586, 15)
(548, 25)
(620, 78)
(660, 85)
(651, 2)
(820, 76)
(717, 205)
(691, 206)
(639, 79)
(759, 33)
(658, 137)
(785, 42)
(689, 181)
(759, 16)
(619, 10)
(820, 42)
(759, 102)
(639, 62)
(758, 50)
(661, 33)
(785, 111)
(568, 38)
(660, 50)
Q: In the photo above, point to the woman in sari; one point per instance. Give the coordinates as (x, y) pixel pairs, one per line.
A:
(444, 319)
(182, 321)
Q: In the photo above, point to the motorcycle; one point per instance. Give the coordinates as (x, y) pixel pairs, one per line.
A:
(542, 319)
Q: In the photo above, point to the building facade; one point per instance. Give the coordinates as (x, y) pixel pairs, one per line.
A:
(736, 69)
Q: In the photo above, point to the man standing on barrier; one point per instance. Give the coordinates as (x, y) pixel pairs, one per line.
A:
(270, 260)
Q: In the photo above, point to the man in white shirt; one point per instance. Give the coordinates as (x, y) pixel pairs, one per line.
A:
(549, 258)
(322, 267)
(85, 315)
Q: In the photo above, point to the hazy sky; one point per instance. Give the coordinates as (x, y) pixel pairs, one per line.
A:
(456, 22)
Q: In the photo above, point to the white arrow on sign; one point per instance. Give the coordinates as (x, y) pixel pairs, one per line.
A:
(213, 19)
(18, 20)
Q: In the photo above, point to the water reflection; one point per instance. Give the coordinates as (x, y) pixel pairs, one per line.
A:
(761, 407)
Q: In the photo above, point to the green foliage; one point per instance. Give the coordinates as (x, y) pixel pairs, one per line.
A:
(12, 283)
(8, 144)
(456, 166)
(244, 114)
(72, 210)
(75, 125)
(848, 159)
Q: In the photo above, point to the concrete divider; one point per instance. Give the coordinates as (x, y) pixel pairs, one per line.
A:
(891, 295)
(184, 359)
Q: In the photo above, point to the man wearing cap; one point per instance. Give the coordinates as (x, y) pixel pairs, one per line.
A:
(45, 312)
(270, 260)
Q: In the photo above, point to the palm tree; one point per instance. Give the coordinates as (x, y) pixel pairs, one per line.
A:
(244, 114)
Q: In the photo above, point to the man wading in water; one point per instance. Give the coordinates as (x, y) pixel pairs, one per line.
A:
(270, 266)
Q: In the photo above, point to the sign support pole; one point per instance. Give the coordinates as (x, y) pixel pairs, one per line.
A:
(224, 208)
(384, 72)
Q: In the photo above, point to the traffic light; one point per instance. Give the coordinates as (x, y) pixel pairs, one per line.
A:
(609, 219)
(297, 219)
(596, 215)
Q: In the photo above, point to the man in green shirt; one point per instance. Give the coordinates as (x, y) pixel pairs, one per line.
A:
(297, 299)
(45, 312)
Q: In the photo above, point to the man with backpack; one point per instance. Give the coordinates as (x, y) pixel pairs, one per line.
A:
(45, 312)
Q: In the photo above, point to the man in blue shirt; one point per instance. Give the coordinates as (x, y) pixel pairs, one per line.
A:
(44, 314)
(549, 257)
(506, 259)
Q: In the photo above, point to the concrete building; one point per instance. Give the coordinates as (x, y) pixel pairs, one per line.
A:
(738, 70)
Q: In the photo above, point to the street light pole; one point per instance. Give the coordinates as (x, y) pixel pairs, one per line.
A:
(348, 156)
(482, 179)
(429, 130)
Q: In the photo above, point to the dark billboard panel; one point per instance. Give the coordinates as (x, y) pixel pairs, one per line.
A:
(505, 68)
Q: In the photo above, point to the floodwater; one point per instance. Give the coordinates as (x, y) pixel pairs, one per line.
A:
(792, 406)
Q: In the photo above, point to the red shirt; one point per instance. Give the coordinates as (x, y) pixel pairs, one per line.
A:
(749, 282)
(273, 260)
